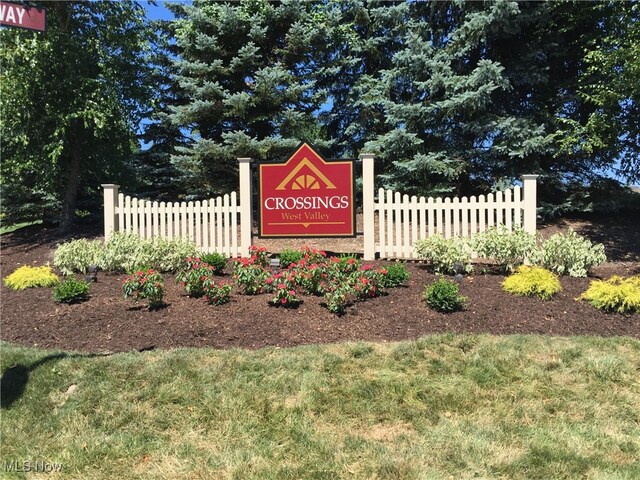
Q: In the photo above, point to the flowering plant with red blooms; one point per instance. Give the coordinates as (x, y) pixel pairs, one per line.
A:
(337, 296)
(216, 293)
(284, 289)
(144, 284)
(250, 276)
(367, 282)
(344, 266)
(313, 255)
(194, 275)
(259, 256)
(309, 275)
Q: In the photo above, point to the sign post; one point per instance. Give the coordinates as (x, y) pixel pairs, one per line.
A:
(307, 196)
(30, 18)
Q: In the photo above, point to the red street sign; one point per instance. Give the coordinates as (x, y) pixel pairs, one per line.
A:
(31, 18)
(307, 196)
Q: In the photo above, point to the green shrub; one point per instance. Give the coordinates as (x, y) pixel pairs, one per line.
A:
(396, 275)
(288, 256)
(617, 294)
(77, 255)
(30, 277)
(442, 295)
(126, 252)
(508, 249)
(71, 291)
(216, 260)
(530, 281)
(168, 255)
(194, 276)
(443, 254)
(569, 254)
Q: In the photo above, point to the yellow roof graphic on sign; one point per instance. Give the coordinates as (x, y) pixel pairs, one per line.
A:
(306, 181)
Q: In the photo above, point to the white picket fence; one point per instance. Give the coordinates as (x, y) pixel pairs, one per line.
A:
(403, 220)
(224, 224)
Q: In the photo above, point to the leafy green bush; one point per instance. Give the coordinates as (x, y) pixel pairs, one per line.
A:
(168, 255)
(617, 294)
(30, 277)
(216, 260)
(125, 252)
(508, 249)
(77, 255)
(337, 297)
(71, 291)
(396, 275)
(442, 295)
(443, 254)
(569, 254)
(530, 281)
(289, 256)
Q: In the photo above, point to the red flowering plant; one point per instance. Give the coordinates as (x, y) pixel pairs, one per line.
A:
(367, 282)
(250, 276)
(343, 266)
(309, 276)
(145, 284)
(216, 293)
(313, 255)
(259, 255)
(194, 276)
(283, 286)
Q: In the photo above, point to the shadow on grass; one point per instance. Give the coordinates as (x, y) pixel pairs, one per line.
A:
(14, 379)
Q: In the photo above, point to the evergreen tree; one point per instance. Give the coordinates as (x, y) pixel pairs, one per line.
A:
(243, 72)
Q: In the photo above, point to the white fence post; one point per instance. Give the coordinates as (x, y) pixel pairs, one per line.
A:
(246, 220)
(530, 203)
(110, 204)
(368, 208)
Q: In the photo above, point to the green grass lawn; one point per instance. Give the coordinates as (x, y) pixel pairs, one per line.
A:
(522, 407)
(17, 226)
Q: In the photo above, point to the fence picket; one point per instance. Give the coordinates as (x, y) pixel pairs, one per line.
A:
(219, 225)
(508, 212)
(414, 225)
(482, 208)
(227, 222)
(517, 199)
(455, 210)
(490, 210)
(406, 242)
(464, 210)
(381, 223)
(423, 218)
(499, 209)
(212, 225)
(389, 208)
(431, 216)
(473, 211)
(234, 225)
(397, 218)
(127, 214)
(447, 217)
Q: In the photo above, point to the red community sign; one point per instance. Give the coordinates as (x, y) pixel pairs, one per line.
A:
(307, 196)
(13, 15)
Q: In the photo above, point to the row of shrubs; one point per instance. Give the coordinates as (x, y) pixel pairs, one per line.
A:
(617, 294)
(564, 254)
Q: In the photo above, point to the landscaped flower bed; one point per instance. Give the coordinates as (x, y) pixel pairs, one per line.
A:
(325, 300)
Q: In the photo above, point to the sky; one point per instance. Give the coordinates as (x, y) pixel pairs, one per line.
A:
(159, 11)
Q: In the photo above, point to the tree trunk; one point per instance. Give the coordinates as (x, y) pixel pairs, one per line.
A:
(71, 193)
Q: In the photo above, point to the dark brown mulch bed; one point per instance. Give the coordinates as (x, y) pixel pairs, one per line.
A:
(107, 322)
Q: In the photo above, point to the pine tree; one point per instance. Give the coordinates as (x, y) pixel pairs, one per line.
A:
(242, 71)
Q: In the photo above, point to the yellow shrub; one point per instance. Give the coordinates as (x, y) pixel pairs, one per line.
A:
(617, 294)
(27, 277)
(529, 281)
